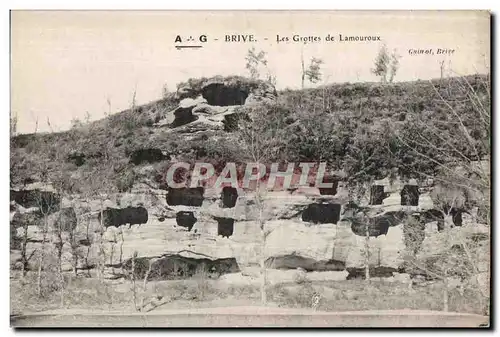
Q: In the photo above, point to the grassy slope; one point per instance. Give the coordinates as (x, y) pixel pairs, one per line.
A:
(91, 294)
(353, 106)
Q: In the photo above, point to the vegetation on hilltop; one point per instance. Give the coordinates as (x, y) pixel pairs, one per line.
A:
(355, 127)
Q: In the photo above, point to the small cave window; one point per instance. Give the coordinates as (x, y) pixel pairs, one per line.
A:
(185, 219)
(77, 158)
(377, 195)
(433, 215)
(456, 215)
(225, 226)
(410, 195)
(331, 190)
(229, 196)
(322, 213)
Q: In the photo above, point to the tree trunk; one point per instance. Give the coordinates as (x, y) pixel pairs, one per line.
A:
(74, 252)
(100, 259)
(42, 253)
(144, 285)
(445, 294)
(303, 69)
(39, 278)
(448, 221)
(263, 294)
(134, 289)
(24, 257)
(61, 276)
(367, 252)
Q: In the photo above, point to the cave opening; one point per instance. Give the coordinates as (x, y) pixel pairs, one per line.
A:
(329, 190)
(183, 116)
(77, 158)
(229, 196)
(410, 195)
(146, 156)
(293, 261)
(377, 194)
(185, 219)
(456, 215)
(115, 217)
(322, 213)
(66, 220)
(221, 95)
(177, 267)
(359, 273)
(225, 226)
(185, 196)
(414, 233)
(376, 227)
(47, 201)
(433, 215)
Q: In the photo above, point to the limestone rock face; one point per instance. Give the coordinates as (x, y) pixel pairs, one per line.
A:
(386, 251)
(226, 91)
(323, 244)
(212, 101)
(221, 228)
(332, 247)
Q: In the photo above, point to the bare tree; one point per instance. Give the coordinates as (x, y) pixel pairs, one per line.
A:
(132, 275)
(47, 204)
(441, 68)
(457, 147)
(261, 143)
(394, 65)
(255, 61)
(23, 222)
(386, 64)
(313, 71)
(13, 125)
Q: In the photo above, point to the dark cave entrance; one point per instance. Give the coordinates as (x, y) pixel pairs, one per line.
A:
(185, 219)
(183, 116)
(409, 195)
(376, 227)
(177, 267)
(322, 213)
(229, 196)
(115, 217)
(330, 190)
(146, 156)
(306, 263)
(221, 95)
(47, 201)
(456, 215)
(359, 273)
(185, 196)
(225, 226)
(377, 194)
(433, 215)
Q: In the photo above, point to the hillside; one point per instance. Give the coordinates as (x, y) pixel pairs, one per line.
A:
(408, 201)
(323, 124)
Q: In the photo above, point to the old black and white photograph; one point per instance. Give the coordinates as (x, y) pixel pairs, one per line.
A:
(182, 169)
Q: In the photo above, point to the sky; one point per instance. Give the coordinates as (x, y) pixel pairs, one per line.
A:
(67, 64)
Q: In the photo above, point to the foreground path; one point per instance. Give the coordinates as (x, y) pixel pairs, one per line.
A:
(250, 317)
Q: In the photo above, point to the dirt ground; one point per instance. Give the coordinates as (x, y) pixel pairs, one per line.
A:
(91, 296)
